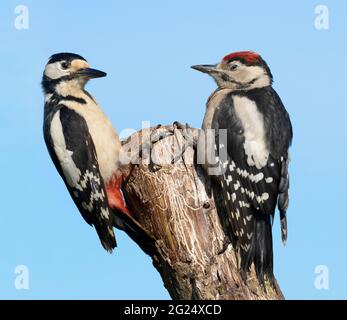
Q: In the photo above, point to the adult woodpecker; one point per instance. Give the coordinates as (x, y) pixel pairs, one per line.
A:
(254, 171)
(85, 148)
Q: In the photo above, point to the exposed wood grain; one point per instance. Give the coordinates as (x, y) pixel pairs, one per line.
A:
(176, 205)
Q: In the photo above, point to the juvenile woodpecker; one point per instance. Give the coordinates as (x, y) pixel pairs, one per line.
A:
(84, 146)
(254, 171)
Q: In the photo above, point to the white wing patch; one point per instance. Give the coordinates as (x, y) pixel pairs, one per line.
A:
(253, 124)
(70, 170)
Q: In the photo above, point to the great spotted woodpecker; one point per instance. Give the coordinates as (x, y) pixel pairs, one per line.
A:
(84, 147)
(254, 171)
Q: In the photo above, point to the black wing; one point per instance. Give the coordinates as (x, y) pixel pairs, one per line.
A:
(73, 152)
(280, 135)
(250, 194)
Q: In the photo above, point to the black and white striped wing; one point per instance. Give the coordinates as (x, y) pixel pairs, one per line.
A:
(250, 194)
(73, 152)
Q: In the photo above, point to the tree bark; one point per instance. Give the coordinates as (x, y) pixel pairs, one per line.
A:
(177, 207)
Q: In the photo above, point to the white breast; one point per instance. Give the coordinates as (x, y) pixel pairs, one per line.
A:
(104, 136)
(253, 124)
(212, 105)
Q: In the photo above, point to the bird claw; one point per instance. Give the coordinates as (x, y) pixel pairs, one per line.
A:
(180, 126)
(156, 136)
(147, 146)
(154, 167)
(189, 139)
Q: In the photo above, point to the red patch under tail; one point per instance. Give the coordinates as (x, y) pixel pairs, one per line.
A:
(114, 194)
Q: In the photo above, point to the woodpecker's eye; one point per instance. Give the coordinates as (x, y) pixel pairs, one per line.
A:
(233, 67)
(64, 65)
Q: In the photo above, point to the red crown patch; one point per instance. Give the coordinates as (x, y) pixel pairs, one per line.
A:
(248, 56)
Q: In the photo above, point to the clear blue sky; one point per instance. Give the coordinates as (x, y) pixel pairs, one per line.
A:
(147, 47)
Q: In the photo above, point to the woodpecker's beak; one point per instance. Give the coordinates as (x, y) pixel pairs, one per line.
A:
(205, 68)
(91, 73)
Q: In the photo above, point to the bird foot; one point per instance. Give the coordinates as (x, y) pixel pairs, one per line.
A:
(156, 136)
(147, 146)
(188, 137)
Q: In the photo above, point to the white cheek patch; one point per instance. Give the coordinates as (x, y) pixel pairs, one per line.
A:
(248, 73)
(253, 124)
(70, 170)
(54, 70)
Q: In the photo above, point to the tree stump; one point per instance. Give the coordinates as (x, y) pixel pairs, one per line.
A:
(175, 204)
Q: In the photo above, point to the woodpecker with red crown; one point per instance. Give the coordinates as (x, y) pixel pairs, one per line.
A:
(253, 174)
(85, 148)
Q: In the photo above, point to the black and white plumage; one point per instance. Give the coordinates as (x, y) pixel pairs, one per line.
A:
(79, 169)
(253, 161)
(85, 147)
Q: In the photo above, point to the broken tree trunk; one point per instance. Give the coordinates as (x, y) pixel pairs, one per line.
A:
(177, 207)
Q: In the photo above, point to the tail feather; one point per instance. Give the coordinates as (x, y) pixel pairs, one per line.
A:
(283, 199)
(135, 231)
(263, 253)
(107, 237)
(284, 228)
(122, 217)
(260, 251)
